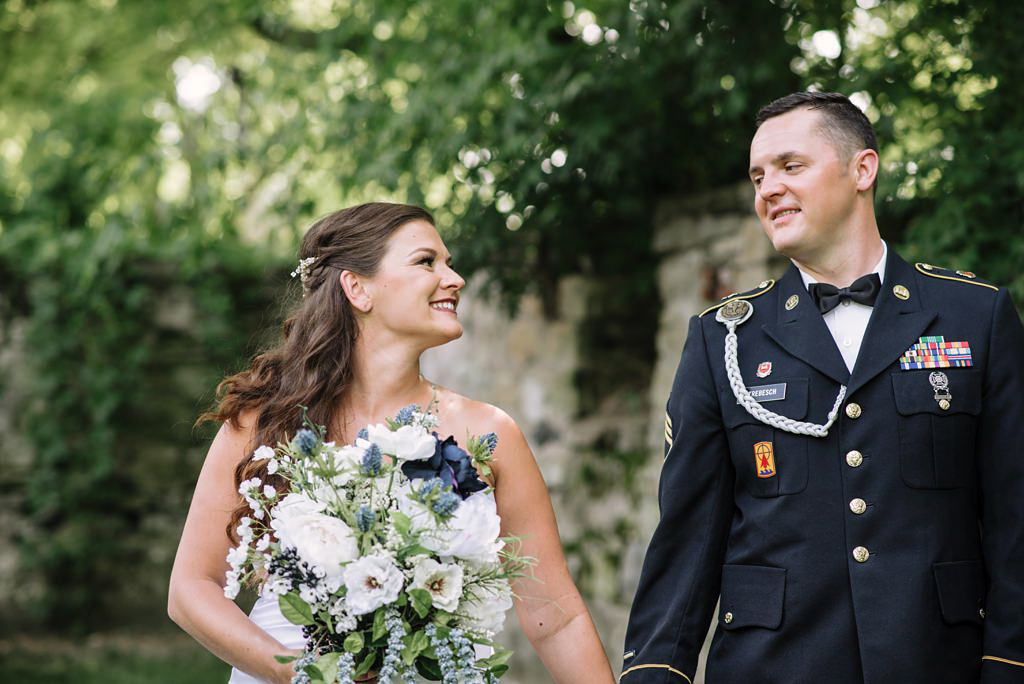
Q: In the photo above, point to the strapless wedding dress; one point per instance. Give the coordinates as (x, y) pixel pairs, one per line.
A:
(267, 615)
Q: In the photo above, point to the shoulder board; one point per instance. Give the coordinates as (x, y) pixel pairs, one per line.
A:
(763, 287)
(948, 274)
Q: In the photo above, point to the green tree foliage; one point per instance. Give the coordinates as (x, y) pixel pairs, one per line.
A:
(159, 159)
(940, 80)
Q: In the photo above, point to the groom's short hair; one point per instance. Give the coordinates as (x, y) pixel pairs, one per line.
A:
(842, 122)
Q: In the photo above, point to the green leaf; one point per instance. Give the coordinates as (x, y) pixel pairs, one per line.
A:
(413, 550)
(328, 666)
(421, 601)
(366, 664)
(354, 642)
(379, 629)
(294, 609)
(402, 523)
(499, 657)
(414, 646)
(285, 659)
(429, 669)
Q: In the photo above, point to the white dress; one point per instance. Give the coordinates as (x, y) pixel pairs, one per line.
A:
(267, 615)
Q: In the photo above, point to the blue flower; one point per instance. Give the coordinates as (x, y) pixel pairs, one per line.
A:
(405, 415)
(365, 517)
(305, 441)
(446, 503)
(490, 440)
(371, 460)
(363, 434)
(451, 464)
(429, 487)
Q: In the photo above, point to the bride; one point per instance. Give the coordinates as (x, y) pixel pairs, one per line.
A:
(378, 290)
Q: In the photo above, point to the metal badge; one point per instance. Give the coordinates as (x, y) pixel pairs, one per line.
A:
(792, 302)
(735, 310)
(901, 292)
(764, 369)
(940, 383)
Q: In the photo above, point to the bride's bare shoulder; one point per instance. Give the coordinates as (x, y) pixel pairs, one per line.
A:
(478, 418)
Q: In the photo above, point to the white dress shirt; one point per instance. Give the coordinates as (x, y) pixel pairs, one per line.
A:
(848, 321)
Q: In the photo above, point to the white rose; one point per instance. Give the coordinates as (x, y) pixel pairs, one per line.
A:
(295, 504)
(348, 457)
(472, 532)
(320, 540)
(371, 582)
(262, 453)
(407, 443)
(483, 607)
(443, 581)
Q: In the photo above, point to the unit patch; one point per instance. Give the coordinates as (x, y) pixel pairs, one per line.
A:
(764, 369)
(764, 457)
(935, 352)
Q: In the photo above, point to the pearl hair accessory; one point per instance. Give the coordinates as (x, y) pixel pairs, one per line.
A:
(303, 272)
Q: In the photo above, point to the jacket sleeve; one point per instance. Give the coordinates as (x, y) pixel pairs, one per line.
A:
(1001, 441)
(681, 575)
(1001, 470)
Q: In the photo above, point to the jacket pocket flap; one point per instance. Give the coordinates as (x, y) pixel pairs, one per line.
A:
(793, 405)
(915, 394)
(752, 596)
(961, 588)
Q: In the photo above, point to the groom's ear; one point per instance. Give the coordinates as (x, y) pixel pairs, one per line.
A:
(355, 291)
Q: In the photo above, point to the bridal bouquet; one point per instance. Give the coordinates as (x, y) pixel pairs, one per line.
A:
(386, 551)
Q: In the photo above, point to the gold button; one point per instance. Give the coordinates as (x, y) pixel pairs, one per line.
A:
(763, 284)
(853, 410)
(944, 404)
(927, 267)
(858, 506)
(727, 618)
(860, 554)
(854, 458)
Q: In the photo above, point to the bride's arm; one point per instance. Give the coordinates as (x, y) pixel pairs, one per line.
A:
(196, 600)
(549, 606)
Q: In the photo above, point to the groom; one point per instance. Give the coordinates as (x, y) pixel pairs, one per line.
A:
(844, 458)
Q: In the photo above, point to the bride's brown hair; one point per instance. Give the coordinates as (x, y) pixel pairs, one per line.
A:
(312, 365)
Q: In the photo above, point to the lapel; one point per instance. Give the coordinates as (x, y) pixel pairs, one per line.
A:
(802, 332)
(895, 324)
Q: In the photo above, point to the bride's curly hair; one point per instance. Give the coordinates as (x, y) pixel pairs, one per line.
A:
(311, 367)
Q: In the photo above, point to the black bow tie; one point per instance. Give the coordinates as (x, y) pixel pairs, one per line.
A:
(863, 290)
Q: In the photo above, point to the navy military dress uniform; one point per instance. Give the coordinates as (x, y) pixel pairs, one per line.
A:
(890, 550)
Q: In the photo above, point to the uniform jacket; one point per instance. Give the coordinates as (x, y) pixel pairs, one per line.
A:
(933, 496)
